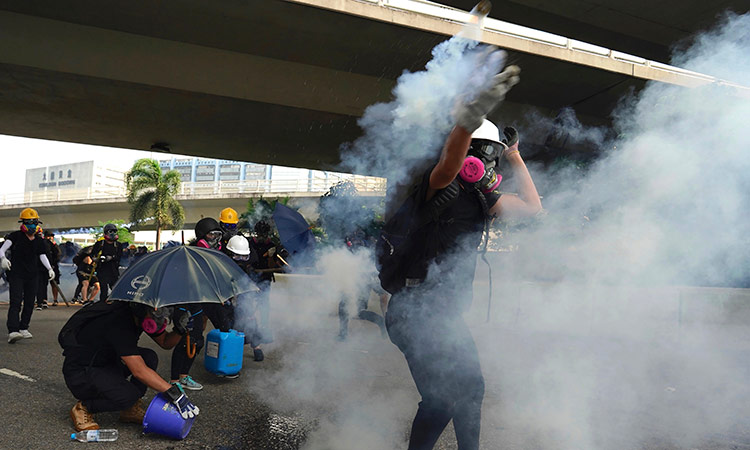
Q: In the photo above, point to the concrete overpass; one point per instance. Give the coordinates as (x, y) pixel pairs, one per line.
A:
(66, 209)
(282, 82)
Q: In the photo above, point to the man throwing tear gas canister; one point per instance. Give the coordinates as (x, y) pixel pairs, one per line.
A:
(424, 317)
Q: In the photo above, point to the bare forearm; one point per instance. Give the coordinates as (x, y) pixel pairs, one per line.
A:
(526, 188)
(152, 379)
(451, 159)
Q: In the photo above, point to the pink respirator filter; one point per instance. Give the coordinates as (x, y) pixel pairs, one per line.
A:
(472, 170)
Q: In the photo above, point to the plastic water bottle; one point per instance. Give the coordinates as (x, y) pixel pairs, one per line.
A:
(95, 436)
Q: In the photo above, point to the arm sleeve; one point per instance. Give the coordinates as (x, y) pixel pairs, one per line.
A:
(5, 247)
(45, 261)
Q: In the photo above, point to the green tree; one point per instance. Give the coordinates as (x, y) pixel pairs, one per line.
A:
(151, 196)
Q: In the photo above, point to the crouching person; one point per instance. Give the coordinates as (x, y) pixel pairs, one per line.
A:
(106, 370)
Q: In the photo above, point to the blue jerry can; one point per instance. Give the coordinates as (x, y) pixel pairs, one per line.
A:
(224, 352)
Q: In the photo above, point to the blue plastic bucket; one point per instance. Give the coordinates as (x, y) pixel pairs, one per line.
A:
(163, 418)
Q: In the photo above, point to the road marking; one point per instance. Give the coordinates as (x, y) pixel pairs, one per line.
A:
(13, 373)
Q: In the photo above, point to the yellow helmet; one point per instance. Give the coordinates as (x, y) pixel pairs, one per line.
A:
(29, 213)
(228, 215)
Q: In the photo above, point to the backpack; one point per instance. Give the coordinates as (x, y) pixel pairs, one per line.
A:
(401, 251)
(67, 338)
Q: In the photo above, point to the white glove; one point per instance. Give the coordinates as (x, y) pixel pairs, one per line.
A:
(51, 274)
(470, 115)
(5, 263)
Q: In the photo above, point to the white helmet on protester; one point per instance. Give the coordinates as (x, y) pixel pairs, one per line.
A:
(238, 245)
(487, 131)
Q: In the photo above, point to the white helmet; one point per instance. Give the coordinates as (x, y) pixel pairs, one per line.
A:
(487, 131)
(238, 245)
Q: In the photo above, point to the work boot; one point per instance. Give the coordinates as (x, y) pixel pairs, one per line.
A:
(134, 414)
(82, 418)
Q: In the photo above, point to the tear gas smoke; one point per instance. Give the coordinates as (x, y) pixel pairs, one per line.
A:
(591, 346)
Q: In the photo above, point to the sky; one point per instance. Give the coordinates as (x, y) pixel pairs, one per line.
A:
(21, 153)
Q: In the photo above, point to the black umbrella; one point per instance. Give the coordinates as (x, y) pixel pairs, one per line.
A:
(180, 275)
(294, 231)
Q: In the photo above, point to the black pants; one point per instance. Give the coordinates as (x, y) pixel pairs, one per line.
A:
(108, 388)
(22, 291)
(181, 361)
(106, 281)
(444, 364)
(41, 291)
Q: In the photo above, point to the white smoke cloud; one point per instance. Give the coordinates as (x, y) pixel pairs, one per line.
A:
(591, 346)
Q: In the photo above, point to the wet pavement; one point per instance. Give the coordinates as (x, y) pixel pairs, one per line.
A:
(312, 392)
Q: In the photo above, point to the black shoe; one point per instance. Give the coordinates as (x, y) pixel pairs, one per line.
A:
(258, 354)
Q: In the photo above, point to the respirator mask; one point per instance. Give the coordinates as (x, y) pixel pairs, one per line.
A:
(156, 321)
(479, 166)
(212, 238)
(29, 226)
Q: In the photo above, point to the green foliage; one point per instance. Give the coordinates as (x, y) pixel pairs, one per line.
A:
(122, 231)
(151, 195)
(260, 209)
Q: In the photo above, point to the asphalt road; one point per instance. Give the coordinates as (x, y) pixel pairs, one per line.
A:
(313, 392)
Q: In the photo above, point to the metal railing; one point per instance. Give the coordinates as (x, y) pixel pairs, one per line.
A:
(209, 189)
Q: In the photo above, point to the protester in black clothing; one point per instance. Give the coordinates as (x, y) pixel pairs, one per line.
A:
(425, 319)
(263, 262)
(107, 254)
(96, 369)
(207, 235)
(26, 251)
(88, 283)
(54, 254)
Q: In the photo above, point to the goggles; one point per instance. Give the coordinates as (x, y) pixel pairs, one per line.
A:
(111, 233)
(229, 226)
(487, 150)
(30, 221)
(240, 257)
(214, 235)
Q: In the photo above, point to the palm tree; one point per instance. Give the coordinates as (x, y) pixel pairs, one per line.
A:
(151, 196)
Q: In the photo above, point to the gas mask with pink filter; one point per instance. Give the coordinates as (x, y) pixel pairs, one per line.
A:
(484, 155)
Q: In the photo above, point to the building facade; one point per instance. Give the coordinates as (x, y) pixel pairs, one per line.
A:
(81, 175)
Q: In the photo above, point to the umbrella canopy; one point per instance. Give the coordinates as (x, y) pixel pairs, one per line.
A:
(294, 231)
(180, 275)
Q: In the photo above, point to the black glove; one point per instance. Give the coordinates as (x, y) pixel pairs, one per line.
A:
(181, 319)
(511, 136)
(181, 402)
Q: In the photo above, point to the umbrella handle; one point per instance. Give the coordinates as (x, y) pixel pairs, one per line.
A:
(190, 353)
